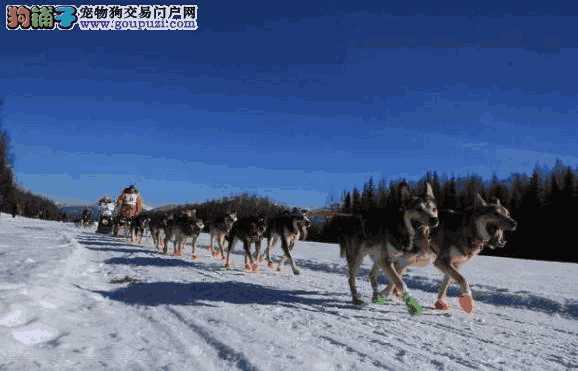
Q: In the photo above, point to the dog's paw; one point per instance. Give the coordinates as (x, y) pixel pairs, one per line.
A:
(357, 301)
(441, 305)
(467, 303)
(194, 257)
(296, 272)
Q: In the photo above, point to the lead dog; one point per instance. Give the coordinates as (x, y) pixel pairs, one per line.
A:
(388, 236)
(289, 227)
(247, 230)
(461, 237)
(219, 229)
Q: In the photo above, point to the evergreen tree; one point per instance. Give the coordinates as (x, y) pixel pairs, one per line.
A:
(347, 205)
(356, 206)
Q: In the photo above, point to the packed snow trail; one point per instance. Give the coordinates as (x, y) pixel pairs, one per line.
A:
(74, 300)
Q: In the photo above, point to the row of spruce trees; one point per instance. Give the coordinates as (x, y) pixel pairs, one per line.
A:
(544, 204)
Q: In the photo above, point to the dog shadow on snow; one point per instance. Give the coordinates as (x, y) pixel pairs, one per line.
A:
(211, 293)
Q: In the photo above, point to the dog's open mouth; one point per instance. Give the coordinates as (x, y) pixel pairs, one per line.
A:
(497, 239)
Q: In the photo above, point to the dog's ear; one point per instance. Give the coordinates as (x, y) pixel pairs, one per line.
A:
(404, 193)
(479, 201)
(429, 191)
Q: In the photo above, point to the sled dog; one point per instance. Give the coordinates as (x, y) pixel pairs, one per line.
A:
(387, 236)
(219, 229)
(460, 237)
(287, 227)
(157, 223)
(247, 230)
(138, 225)
(179, 228)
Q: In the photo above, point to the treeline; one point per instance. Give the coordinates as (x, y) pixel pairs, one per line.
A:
(13, 199)
(544, 204)
(243, 204)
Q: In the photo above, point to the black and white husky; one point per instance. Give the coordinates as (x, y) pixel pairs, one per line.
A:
(288, 227)
(179, 228)
(248, 230)
(138, 225)
(219, 230)
(388, 236)
(157, 224)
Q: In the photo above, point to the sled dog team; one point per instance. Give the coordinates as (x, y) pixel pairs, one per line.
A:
(414, 234)
(179, 226)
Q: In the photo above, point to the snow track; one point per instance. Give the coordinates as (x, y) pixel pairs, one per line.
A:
(75, 300)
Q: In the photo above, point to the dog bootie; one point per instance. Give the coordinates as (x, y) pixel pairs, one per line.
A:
(379, 299)
(412, 305)
(441, 305)
(194, 257)
(270, 264)
(467, 303)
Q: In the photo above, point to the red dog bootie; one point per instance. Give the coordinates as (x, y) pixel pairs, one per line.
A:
(440, 304)
(467, 303)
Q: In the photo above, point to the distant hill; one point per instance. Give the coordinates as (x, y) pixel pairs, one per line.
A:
(75, 211)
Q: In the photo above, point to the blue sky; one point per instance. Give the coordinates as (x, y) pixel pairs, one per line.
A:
(292, 101)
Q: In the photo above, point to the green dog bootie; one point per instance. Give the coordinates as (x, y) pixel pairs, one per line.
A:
(412, 305)
(379, 300)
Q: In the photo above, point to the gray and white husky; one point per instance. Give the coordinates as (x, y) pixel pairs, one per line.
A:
(288, 227)
(388, 236)
(460, 237)
(219, 230)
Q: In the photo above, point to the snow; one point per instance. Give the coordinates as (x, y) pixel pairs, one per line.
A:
(74, 300)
